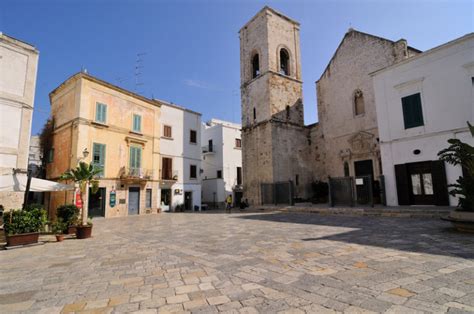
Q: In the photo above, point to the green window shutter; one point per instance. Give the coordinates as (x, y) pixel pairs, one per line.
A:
(98, 156)
(137, 123)
(412, 111)
(104, 113)
(135, 157)
(132, 157)
(98, 112)
(139, 157)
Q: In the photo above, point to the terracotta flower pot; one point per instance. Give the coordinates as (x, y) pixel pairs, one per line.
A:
(83, 232)
(22, 239)
(60, 237)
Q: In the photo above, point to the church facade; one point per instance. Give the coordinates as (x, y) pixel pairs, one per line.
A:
(277, 147)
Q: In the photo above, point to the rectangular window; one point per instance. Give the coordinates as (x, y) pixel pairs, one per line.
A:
(148, 198)
(219, 174)
(137, 123)
(193, 137)
(135, 159)
(238, 143)
(98, 157)
(211, 146)
(412, 112)
(297, 179)
(167, 131)
(193, 172)
(167, 168)
(100, 113)
(239, 175)
(51, 155)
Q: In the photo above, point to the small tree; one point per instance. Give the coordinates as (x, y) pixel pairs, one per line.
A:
(462, 154)
(84, 175)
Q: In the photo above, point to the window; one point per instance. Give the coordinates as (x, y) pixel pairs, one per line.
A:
(51, 155)
(239, 175)
(346, 169)
(254, 113)
(412, 112)
(359, 105)
(98, 157)
(137, 123)
(238, 143)
(193, 172)
(284, 62)
(167, 168)
(193, 137)
(135, 159)
(255, 66)
(219, 174)
(148, 198)
(100, 113)
(167, 131)
(297, 179)
(287, 112)
(211, 147)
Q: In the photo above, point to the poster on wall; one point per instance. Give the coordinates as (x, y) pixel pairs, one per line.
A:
(78, 199)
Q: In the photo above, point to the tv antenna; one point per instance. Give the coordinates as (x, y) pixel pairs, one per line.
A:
(138, 72)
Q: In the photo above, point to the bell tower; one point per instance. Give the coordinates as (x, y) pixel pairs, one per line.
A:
(271, 98)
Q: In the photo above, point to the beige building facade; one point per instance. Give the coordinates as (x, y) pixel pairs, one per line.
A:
(18, 69)
(118, 131)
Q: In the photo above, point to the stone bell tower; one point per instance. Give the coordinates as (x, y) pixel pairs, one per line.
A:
(273, 132)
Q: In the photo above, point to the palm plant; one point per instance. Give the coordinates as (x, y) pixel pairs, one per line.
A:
(84, 175)
(462, 154)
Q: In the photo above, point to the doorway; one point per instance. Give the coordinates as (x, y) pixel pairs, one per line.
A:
(421, 183)
(238, 198)
(364, 168)
(133, 200)
(97, 203)
(188, 200)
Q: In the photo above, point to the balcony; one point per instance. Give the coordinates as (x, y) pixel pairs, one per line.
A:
(169, 175)
(136, 173)
(209, 149)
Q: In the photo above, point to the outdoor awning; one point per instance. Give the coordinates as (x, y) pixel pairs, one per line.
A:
(17, 183)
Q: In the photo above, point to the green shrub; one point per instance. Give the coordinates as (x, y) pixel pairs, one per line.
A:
(59, 226)
(24, 221)
(68, 213)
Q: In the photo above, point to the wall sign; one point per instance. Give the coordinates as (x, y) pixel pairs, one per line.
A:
(122, 201)
(113, 196)
(359, 181)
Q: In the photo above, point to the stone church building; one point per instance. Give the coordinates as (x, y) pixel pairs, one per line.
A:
(277, 146)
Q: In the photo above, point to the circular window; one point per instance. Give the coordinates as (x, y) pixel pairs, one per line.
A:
(417, 152)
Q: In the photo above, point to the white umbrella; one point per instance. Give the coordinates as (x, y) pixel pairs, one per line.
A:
(17, 183)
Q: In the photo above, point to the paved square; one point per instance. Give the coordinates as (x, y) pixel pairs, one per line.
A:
(246, 263)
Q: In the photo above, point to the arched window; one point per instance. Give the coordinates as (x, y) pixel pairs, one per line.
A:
(346, 169)
(255, 66)
(359, 106)
(284, 62)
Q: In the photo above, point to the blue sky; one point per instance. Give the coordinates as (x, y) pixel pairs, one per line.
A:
(192, 47)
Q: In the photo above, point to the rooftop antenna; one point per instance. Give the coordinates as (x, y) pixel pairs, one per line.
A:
(138, 72)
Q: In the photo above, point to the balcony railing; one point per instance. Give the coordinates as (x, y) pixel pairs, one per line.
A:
(136, 173)
(209, 149)
(169, 175)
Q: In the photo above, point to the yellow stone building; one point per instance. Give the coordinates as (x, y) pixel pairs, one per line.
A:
(115, 129)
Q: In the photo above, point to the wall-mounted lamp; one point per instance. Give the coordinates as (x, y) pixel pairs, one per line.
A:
(85, 153)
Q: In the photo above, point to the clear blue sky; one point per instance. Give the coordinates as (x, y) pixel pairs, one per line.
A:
(192, 47)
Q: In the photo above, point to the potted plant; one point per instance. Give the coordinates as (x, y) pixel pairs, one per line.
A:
(23, 226)
(58, 229)
(462, 154)
(84, 175)
(69, 215)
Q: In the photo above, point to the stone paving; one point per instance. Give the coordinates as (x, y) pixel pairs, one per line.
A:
(246, 263)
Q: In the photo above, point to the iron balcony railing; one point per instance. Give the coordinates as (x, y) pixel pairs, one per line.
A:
(209, 149)
(136, 173)
(169, 175)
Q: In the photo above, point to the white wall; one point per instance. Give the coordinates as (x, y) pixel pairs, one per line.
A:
(443, 77)
(182, 151)
(226, 157)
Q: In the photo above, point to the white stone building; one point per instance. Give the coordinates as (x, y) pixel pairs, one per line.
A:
(18, 68)
(221, 162)
(422, 102)
(180, 150)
